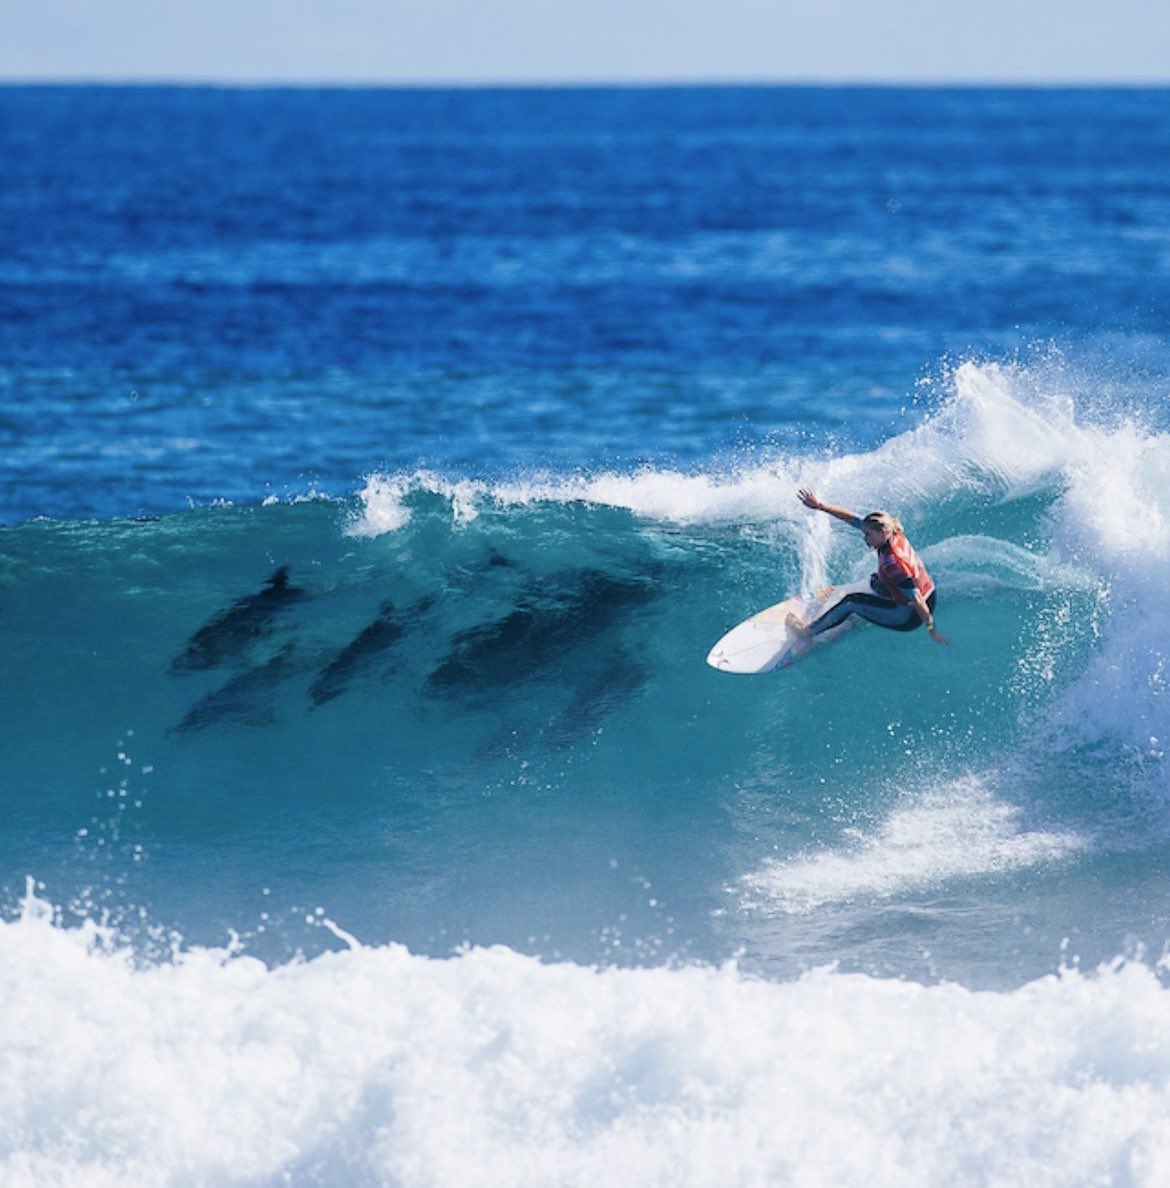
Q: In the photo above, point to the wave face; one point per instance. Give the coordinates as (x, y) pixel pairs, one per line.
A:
(380, 705)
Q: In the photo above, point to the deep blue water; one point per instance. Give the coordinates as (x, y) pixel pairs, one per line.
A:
(380, 467)
(220, 294)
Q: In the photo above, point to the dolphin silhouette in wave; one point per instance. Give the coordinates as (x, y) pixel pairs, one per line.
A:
(225, 638)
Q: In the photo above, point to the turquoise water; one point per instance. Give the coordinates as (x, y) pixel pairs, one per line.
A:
(451, 684)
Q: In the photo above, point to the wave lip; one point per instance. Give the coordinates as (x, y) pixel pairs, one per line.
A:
(1000, 431)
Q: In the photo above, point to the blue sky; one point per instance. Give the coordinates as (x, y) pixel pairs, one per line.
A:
(551, 41)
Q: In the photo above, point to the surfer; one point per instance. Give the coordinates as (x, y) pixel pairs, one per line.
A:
(903, 595)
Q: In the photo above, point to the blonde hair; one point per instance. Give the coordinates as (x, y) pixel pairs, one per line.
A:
(882, 520)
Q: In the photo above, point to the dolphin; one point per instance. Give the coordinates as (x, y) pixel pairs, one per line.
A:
(245, 697)
(227, 637)
(369, 645)
(620, 679)
(549, 621)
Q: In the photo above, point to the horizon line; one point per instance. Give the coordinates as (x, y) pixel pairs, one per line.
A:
(210, 82)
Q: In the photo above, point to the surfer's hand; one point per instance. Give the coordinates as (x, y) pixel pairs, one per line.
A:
(809, 499)
(938, 635)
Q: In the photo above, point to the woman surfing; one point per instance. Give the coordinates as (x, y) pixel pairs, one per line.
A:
(903, 593)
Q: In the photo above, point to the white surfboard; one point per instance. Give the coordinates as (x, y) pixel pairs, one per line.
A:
(765, 642)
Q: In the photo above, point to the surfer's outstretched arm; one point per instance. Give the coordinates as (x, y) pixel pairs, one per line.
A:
(809, 499)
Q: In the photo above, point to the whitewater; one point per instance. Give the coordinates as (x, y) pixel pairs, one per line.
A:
(374, 1066)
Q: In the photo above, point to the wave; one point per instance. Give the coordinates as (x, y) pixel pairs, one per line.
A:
(374, 1066)
(442, 658)
(1079, 490)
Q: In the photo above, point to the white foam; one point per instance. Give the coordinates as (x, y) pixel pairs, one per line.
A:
(960, 830)
(372, 1066)
(1003, 428)
(749, 494)
(1115, 515)
(385, 501)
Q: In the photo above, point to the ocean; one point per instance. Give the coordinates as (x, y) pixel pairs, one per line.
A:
(380, 466)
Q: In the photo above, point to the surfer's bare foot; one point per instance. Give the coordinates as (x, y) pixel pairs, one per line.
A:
(796, 625)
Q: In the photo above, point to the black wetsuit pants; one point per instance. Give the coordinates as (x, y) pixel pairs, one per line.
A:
(885, 612)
